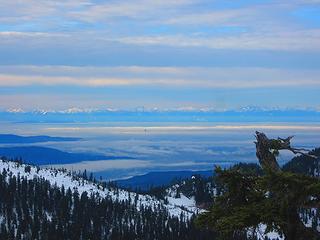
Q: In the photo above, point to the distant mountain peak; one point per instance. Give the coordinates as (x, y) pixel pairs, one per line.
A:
(15, 110)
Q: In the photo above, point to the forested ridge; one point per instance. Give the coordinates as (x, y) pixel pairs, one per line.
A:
(34, 209)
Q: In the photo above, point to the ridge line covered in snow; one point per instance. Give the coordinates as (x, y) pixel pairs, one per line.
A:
(60, 178)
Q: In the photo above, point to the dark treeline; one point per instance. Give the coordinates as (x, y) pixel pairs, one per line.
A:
(34, 209)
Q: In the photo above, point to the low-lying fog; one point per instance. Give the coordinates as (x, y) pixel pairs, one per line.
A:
(164, 147)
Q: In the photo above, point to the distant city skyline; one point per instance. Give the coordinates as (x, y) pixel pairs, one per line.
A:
(159, 54)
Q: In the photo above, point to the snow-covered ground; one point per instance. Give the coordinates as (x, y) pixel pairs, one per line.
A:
(270, 235)
(180, 200)
(175, 206)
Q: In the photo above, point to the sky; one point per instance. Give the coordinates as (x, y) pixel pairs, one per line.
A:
(159, 54)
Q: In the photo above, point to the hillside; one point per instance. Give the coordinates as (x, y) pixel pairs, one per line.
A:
(158, 179)
(43, 203)
(54, 204)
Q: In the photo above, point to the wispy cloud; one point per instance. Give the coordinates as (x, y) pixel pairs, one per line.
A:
(297, 40)
(157, 76)
(97, 166)
(16, 34)
(16, 11)
(214, 18)
(289, 41)
(181, 23)
(140, 9)
(104, 165)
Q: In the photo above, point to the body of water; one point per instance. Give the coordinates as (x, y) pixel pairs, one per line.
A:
(164, 146)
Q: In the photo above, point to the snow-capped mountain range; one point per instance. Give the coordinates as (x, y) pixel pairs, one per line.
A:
(75, 110)
(185, 114)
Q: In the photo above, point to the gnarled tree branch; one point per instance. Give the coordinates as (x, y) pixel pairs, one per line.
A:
(268, 149)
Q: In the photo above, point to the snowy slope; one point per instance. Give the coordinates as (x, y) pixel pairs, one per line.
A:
(181, 200)
(175, 207)
(261, 235)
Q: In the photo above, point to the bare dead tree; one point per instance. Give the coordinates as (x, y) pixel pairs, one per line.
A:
(268, 149)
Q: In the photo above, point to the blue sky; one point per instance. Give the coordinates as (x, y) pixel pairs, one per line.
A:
(58, 54)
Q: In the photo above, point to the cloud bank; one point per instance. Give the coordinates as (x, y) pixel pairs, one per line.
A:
(157, 76)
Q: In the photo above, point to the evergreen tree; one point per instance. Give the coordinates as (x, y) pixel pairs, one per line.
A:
(276, 199)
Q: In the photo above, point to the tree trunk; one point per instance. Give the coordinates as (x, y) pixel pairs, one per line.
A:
(266, 158)
(296, 230)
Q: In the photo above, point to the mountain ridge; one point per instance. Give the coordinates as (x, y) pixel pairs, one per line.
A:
(12, 138)
(67, 179)
(158, 178)
(39, 155)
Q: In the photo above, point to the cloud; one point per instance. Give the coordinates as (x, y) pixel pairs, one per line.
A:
(213, 18)
(16, 34)
(306, 1)
(181, 129)
(17, 11)
(304, 40)
(104, 165)
(199, 77)
(108, 165)
(139, 9)
(55, 100)
(155, 33)
(186, 23)
(297, 40)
